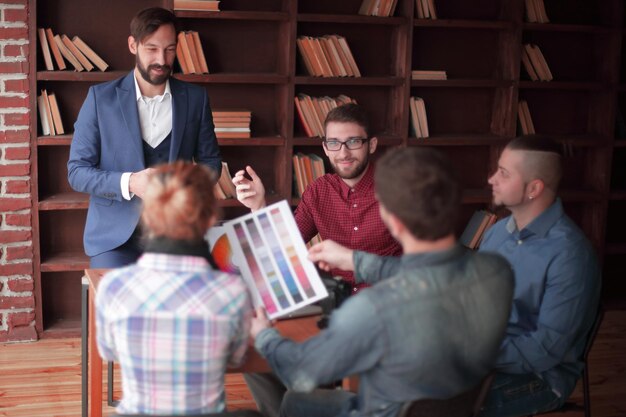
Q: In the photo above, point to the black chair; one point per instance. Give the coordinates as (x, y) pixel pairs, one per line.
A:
(239, 413)
(466, 404)
(593, 332)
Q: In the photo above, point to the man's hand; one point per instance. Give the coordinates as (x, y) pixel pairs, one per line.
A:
(250, 193)
(138, 182)
(260, 322)
(329, 255)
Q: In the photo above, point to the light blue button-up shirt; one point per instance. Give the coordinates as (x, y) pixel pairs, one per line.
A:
(557, 288)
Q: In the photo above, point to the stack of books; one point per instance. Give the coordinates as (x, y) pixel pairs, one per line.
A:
(419, 121)
(474, 231)
(224, 187)
(49, 115)
(425, 9)
(232, 123)
(428, 75)
(535, 63)
(197, 5)
(536, 12)
(312, 111)
(383, 8)
(306, 169)
(327, 56)
(523, 116)
(61, 48)
(190, 54)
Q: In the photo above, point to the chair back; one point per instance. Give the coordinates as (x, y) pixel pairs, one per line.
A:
(593, 332)
(466, 404)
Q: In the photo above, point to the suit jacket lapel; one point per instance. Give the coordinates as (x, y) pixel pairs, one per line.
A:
(179, 115)
(127, 99)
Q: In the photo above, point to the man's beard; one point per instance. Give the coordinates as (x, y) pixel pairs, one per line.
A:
(358, 170)
(157, 80)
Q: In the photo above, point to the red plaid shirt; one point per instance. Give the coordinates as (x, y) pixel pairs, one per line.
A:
(348, 216)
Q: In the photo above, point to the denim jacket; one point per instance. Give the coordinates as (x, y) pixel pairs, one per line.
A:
(432, 329)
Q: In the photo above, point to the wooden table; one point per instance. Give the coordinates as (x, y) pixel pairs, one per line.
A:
(298, 329)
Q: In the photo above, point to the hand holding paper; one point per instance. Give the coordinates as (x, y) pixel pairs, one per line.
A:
(329, 255)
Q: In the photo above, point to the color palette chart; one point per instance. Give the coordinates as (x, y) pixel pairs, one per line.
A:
(268, 250)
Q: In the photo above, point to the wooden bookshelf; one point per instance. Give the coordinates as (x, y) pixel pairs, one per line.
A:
(254, 63)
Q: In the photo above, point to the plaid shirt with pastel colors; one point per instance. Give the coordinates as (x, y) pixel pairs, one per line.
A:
(173, 324)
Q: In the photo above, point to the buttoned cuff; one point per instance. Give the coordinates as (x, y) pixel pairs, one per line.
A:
(264, 337)
(125, 186)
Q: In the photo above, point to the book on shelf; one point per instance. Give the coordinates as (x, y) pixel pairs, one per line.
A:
(232, 123)
(77, 53)
(182, 40)
(90, 54)
(327, 56)
(312, 111)
(525, 120)
(384, 8)
(428, 75)
(536, 11)
(478, 224)
(419, 121)
(45, 114)
(190, 54)
(197, 5)
(425, 9)
(58, 58)
(528, 66)
(67, 54)
(45, 49)
(220, 112)
(56, 114)
(200, 51)
(534, 60)
(306, 169)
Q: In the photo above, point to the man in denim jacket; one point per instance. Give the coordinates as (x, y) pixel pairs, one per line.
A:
(431, 325)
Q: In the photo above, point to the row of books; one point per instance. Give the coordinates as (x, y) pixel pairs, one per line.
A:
(306, 169)
(536, 11)
(61, 48)
(384, 8)
(480, 221)
(312, 111)
(419, 122)
(224, 187)
(535, 63)
(49, 114)
(524, 118)
(327, 56)
(197, 5)
(232, 123)
(428, 75)
(425, 9)
(190, 54)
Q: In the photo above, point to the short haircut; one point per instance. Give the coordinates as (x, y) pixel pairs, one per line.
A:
(179, 202)
(349, 113)
(148, 21)
(419, 186)
(542, 159)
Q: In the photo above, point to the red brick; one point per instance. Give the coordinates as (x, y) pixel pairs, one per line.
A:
(15, 253)
(15, 15)
(17, 302)
(16, 51)
(14, 204)
(17, 186)
(14, 33)
(13, 154)
(14, 236)
(25, 268)
(22, 220)
(20, 319)
(19, 334)
(14, 170)
(16, 86)
(14, 136)
(21, 285)
(16, 119)
(16, 102)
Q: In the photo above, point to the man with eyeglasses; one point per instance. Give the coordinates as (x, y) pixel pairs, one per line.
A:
(341, 207)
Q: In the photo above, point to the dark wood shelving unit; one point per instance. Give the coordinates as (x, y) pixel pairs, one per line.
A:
(254, 63)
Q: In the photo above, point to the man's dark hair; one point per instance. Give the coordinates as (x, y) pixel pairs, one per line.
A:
(419, 186)
(349, 113)
(148, 21)
(543, 159)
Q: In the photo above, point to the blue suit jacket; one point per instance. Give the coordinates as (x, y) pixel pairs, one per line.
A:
(107, 142)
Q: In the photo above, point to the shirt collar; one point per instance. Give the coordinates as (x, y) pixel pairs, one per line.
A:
(160, 98)
(542, 223)
(365, 183)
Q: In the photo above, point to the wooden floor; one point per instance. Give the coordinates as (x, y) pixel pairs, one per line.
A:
(43, 378)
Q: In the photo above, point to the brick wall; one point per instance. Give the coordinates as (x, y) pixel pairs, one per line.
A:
(17, 301)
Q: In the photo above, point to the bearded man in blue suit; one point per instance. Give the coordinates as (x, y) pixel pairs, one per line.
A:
(129, 125)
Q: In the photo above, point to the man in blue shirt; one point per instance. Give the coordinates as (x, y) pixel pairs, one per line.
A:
(430, 327)
(557, 283)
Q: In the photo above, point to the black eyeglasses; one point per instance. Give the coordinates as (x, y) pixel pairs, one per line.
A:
(352, 144)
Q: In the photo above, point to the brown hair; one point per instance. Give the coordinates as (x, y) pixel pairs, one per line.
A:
(179, 202)
(148, 21)
(542, 158)
(419, 187)
(349, 113)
